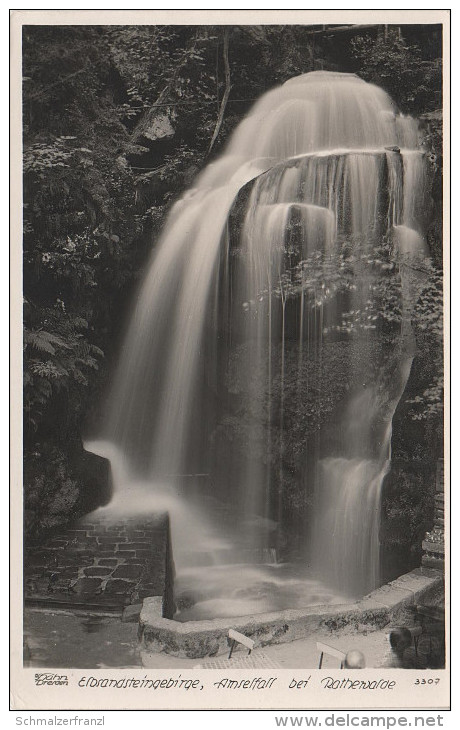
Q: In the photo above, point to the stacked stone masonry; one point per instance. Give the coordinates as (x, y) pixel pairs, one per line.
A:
(433, 544)
(393, 602)
(103, 562)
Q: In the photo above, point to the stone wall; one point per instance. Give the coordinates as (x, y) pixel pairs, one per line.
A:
(103, 562)
(197, 639)
(433, 543)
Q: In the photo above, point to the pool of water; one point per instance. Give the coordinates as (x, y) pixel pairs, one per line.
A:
(223, 591)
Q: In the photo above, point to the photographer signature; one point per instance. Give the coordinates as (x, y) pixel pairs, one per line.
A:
(50, 678)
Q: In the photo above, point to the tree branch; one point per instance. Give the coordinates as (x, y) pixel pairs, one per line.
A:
(223, 104)
(44, 91)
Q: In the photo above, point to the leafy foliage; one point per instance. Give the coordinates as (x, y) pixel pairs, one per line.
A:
(407, 514)
(117, 122)
(413, 81)
(53, 492)
(384, 281)
(58, 361)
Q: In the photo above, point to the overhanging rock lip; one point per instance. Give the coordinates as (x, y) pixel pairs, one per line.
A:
(209, 637)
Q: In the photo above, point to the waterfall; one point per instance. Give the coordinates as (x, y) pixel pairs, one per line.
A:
(246, 279)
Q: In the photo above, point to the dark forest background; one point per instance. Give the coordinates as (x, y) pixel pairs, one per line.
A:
(117, 123)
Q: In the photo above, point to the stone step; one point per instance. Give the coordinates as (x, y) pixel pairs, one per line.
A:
(433, 562)
(433, 547)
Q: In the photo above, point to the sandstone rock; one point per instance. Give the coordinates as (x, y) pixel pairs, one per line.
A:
(82, 543)
(142, 593)
(131, 613)
(159, 126)
(87, 586)
(120, 586)
(128, 571)
(144, 554)
(97, 571)
(125, 553)
(58, 543)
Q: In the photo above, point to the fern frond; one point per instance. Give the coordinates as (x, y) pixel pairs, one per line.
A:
(45, 369)
(44, 341)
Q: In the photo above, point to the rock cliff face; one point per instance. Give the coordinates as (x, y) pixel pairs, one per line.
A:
(132, 165)
(334, 215)
(408, 499)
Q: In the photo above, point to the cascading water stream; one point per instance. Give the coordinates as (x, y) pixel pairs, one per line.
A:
(321, 159)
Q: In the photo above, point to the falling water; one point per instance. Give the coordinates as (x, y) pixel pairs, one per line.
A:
(322, 159)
